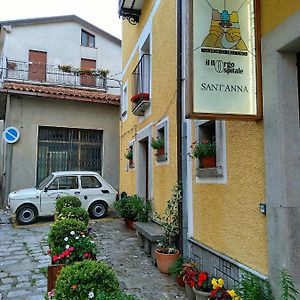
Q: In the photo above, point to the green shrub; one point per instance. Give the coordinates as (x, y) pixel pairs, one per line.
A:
(61, 229)
(133, 208)
(288, 289)
(80, 279)
(66, 201)
(77, 213)
(254, 288)
(177, 269)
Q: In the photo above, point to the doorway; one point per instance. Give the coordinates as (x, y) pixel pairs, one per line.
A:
(143, 168)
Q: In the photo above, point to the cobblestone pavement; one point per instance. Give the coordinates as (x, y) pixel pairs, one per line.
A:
(23, 255)
(23, 261)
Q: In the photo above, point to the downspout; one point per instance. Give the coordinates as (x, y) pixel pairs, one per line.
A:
(179, 118)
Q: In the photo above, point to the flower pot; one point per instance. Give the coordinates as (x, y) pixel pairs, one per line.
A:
(53, 272)
(209, 162)
(179, 280)
(189, 292)
(164, 261)
(160, 151)
(201, 295)
(129, 224)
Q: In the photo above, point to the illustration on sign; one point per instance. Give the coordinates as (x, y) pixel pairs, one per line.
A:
(224, 30)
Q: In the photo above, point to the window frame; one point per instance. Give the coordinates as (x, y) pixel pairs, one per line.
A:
(59, 177)
(219, 171)
(88, 39)
(163, 124)
(124, 102)
(86, 188)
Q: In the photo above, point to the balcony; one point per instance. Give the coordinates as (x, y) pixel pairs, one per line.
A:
(141, 86)
(53, 75)
(131, 10)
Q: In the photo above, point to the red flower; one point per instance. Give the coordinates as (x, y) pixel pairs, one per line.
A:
(66, 253)
(55, 258)
(202, 277)
(139, 96)
(49, 251)
(71, 249)
(62, 256)
(86, 254)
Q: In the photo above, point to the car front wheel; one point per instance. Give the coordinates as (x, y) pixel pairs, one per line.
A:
(98, 210)
(26, 214)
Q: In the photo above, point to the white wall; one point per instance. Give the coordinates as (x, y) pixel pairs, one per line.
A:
(62, 42)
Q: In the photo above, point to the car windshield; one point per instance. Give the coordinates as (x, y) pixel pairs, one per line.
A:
(45, 182)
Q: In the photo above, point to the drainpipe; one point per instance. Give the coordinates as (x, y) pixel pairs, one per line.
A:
(179, 117)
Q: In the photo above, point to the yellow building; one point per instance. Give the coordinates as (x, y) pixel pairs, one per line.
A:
(257, 163)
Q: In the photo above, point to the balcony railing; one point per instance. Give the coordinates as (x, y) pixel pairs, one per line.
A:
(37, 72)
(141, 86)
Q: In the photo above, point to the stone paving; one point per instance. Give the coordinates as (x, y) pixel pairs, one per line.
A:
(24, 259)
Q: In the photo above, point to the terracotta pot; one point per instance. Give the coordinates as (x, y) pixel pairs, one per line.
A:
(189, 292)
(164, 261)
(53, 272)
(209, 162)
(160, 151)
(201, 295)
(129, 224)
(179, 280)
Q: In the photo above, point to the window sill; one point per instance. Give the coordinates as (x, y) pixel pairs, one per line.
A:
(89, 47)
(162, 158)
(209, 172)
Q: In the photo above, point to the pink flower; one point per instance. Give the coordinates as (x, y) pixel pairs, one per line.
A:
(86, 254)
(71, 249)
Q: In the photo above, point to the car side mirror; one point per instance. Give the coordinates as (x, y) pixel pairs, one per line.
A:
(45, 190)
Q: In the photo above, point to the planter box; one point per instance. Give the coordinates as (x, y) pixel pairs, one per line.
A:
(53, 272)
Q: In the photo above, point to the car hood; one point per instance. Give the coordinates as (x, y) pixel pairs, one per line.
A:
(24, 193)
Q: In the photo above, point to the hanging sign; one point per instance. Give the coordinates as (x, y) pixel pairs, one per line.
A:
(224, 74)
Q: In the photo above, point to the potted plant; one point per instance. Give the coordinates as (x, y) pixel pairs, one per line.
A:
(167, 253)
(218, 291)
(159, 145)
(206, 152)
(139, 97)
(189, 278)
(202, 286)
(177, 270)
(129, 155)
(133, 208)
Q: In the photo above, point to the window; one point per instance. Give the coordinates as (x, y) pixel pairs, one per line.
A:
(210, 133)
(87, 39)
(90, 182)
(162, 137)
(124, 102)
(64, 183)
(131, 158)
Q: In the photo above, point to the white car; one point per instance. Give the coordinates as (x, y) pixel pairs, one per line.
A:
(95, 193)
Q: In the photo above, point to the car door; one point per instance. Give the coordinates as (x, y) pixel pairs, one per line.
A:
(91, 189)
(59, 187)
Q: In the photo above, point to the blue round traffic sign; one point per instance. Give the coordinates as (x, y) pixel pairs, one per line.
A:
(11, 135)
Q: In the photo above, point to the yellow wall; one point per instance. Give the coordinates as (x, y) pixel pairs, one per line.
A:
(226, 216)
(274, 13)
(163, 97)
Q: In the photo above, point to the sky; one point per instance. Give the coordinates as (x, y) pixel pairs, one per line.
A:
(101, 13)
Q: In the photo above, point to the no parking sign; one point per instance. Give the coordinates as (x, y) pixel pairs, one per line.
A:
(11, 135)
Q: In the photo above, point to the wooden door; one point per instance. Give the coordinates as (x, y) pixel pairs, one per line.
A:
(86, 79)
(37, 65)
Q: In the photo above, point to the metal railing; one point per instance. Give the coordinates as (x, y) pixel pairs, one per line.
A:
(141, 76)
(38, 72)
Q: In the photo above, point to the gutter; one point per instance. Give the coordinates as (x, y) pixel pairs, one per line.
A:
(179, 119)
